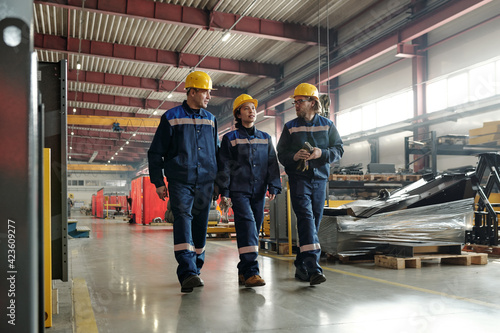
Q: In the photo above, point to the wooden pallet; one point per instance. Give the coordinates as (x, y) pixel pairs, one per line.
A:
(416, 262)
(270, 245)
(346, 177)
(410, 178)
(382, 177)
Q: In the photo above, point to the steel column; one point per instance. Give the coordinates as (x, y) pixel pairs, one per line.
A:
(20, 195)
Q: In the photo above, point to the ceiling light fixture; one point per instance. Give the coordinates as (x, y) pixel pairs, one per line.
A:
(226, 36)
(78, 65)
(127, 142)
(74, 110)
(121, 148)
(169, 95)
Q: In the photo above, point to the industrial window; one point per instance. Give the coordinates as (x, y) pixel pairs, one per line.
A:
(381, 112)
(469, 85)
(482, 82)
(91, 183)
(458, 89)
(75, 182)
(497, 81)
(115, 183)
(436, 96)
(369, 116)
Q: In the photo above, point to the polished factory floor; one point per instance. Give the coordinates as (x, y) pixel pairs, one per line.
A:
(130, 274)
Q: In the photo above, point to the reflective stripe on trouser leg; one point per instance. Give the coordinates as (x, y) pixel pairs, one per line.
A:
(190, 205)
(248, 217)
(308, 200)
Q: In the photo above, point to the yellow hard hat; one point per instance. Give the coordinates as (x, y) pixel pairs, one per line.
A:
(306, 89)
(199, 80)
(243, 98)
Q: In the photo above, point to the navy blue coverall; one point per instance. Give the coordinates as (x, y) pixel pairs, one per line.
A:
(185, 148)
(308, 188)
(248, 167)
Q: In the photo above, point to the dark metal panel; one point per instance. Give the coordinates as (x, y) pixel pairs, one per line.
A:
(70, 46)
(53, 86)
(117, 80)
(199, 19)
(19, 165)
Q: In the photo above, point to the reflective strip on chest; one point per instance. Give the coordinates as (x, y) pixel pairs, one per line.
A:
(189, 121)
(308, 129)
(247, 142)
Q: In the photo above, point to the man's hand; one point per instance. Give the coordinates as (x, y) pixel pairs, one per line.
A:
(162, 192)
(301, 155)
(225, 204)
(314, 155)
(271, 197)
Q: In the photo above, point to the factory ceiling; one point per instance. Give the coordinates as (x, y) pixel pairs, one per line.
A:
(127, 59)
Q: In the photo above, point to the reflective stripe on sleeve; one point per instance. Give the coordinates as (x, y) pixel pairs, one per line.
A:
(248, 249)
(310, 247)
(200, 251)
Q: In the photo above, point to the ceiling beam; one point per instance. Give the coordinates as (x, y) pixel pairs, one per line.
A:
(409, 32)
(109, 121)
(104, 106)
(120, 100)
(149, 84)
(79, 144)
(99, 141)
(99, 167)
(71, 46)
(198, 19)
(412, 30)
(108, 134)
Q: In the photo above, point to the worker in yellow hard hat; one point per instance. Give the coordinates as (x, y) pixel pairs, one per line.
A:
(248, 168)
(306, 148)
(184, 149)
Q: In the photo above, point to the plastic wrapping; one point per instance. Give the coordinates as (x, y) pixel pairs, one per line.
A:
(445, 222)
(427, 191)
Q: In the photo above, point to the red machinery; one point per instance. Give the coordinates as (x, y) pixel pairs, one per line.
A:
(146, 206)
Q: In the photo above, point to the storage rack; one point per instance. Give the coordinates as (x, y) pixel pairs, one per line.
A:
(446, 145)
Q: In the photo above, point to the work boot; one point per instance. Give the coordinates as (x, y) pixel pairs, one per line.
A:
(241, 279)
(190, 282)
(301, 275)
(317, 278)
(255, 281)
(202, 283)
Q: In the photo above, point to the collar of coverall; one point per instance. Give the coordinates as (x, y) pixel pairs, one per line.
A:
(248, 131)
(190, 111)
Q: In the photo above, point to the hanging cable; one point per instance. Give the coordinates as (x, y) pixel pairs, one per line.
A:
(226, 32)
(319, 43)
(328, 45)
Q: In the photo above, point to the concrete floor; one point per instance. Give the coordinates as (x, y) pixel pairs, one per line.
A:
(130, 274)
